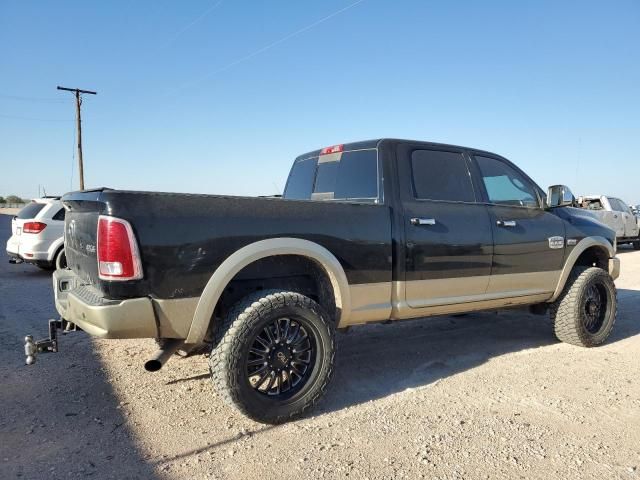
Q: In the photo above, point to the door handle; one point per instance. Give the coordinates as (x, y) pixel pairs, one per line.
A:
(506, 223)
(423, 221)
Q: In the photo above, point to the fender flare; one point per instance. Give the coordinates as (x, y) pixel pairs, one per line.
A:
(569, 263)
(256, 251)
(53, 249)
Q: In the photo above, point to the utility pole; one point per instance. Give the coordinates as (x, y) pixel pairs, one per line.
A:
(78, 94)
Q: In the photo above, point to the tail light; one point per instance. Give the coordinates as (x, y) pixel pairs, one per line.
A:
(33, 227)
(118, 256)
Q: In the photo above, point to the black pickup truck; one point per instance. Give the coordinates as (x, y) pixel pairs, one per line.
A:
(365, 232)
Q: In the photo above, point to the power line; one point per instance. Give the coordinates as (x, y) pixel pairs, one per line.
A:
(33, 99)
(269, 46)
(18, 117)
(191, 24)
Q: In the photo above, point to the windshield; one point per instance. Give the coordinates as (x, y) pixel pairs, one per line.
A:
(338, 176)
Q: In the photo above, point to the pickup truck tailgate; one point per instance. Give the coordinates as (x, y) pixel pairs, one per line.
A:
(80, 233)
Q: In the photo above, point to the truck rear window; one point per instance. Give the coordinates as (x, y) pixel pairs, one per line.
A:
(30, 211)
(346, 176)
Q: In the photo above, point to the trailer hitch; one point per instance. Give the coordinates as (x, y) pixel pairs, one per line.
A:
(50, 344)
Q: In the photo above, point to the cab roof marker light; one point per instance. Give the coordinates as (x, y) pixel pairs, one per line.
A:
(332, 149)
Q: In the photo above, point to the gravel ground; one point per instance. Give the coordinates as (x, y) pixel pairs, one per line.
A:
(489, 395)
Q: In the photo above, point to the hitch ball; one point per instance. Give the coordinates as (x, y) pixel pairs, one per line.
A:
(30, 350)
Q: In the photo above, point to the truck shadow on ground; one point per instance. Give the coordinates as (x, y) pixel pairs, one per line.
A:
(380, 360)
(60, 418)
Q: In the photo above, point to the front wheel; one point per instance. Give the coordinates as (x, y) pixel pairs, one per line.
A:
(585, 312)
(273, 355)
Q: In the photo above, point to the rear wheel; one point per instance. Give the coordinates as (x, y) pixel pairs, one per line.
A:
(585, 312)
(273, 355)
(61, 260)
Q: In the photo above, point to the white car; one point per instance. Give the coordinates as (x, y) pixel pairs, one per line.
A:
(37, 234)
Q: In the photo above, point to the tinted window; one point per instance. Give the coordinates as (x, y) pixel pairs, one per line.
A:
(441, 176)
(357, 175)
(59, 214)
(505, 185)
(614, 204)
(31, 210)
(300, 183)
(618, 205)
(346, 176)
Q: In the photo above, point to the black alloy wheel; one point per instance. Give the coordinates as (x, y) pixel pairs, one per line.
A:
(273, 355)
(281, 357)
(595, 306)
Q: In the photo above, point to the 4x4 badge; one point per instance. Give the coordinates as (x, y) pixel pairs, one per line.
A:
(556, 242)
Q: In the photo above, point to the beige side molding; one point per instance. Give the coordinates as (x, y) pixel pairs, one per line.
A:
(262, 249)
(582, 245)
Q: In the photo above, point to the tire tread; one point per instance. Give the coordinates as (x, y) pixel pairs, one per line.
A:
(236, 325)
(565, 313)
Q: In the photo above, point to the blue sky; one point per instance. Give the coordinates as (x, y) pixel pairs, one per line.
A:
(220, 96)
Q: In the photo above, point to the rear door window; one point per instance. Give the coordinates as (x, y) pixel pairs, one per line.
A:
(30, 211)
(441, 176)
(338, 176)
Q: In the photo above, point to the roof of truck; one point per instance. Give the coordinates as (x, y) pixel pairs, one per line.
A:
(375, 143)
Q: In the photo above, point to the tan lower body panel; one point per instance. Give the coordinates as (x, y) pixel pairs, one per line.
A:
(401, 310)
(374, 302)
(370, 302)
(175, 316)
(421, 293)
(524, 283)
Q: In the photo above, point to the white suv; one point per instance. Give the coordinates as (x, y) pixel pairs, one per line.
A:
(37, 234)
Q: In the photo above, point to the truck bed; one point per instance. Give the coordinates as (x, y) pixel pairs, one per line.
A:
(183, 238)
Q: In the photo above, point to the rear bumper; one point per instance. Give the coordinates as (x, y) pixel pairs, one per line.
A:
(90, 310)
(614, 267)
(30, 250)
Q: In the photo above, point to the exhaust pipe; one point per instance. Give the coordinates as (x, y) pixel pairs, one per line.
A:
(163, 355)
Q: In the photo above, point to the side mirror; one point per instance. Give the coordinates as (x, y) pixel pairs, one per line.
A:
(559, 196)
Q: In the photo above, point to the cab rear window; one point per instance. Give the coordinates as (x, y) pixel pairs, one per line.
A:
(339, 176)
(30, 211)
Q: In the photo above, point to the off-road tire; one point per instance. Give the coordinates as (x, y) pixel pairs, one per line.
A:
(568, 312)
(234, 337)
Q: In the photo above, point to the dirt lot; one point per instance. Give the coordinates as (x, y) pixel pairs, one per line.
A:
(489, 395)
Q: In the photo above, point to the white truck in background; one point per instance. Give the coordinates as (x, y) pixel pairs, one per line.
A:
(616, 214)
